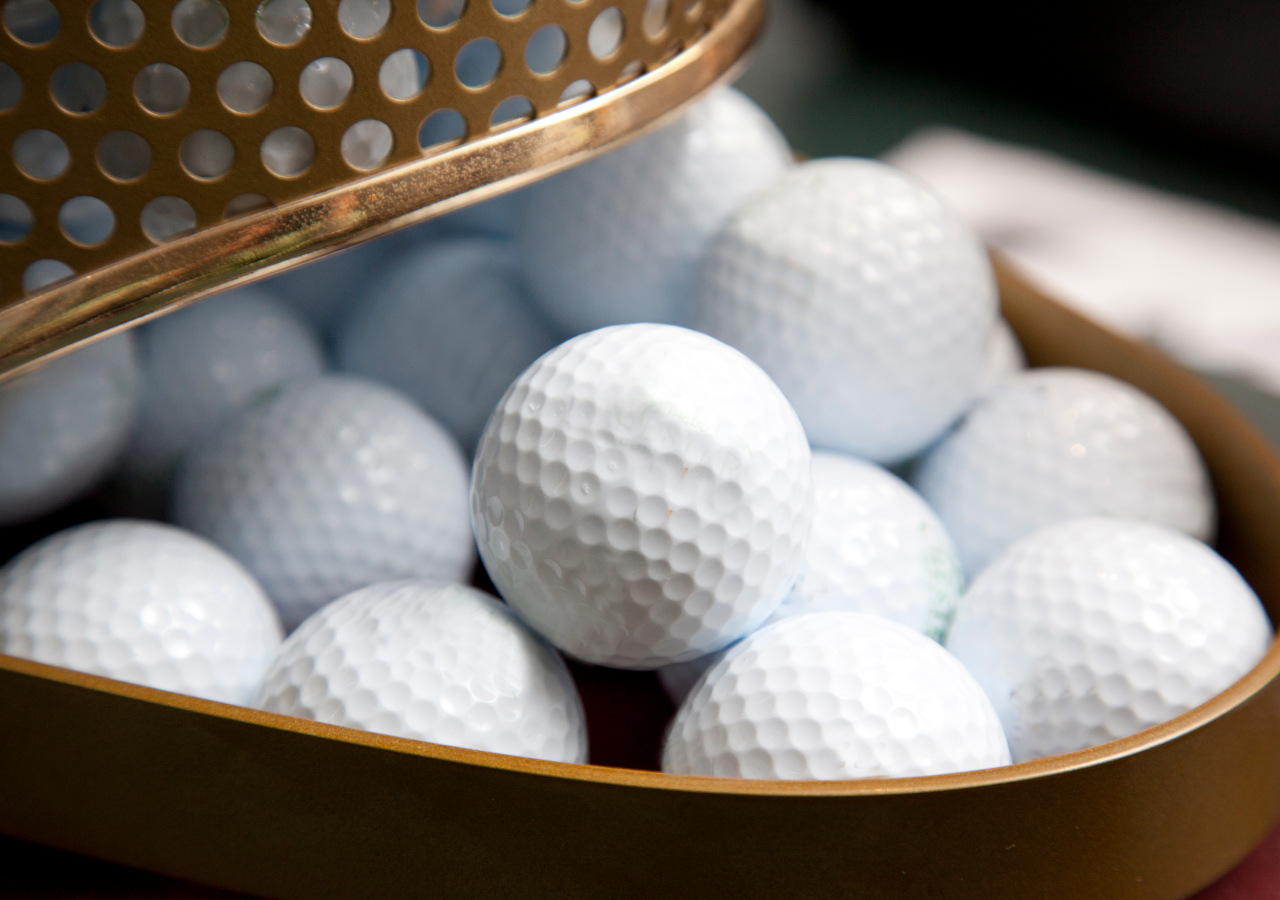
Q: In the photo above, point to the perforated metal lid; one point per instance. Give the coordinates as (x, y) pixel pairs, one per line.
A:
(157, 151)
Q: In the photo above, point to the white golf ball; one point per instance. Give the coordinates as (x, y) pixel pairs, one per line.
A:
(433, 662)
(618, 239)
(876, 547)
(200, 366)
(331, 485)
(63, 425)
(1093, 629)
(1052, 444)
(833, 695)
(642, 496)
(1004, 355)
(451, 326)
(863, 297)
(141, 602)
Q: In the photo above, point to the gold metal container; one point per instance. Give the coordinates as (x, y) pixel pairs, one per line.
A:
(280, 806)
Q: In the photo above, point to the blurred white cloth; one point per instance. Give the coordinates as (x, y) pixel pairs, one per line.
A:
(1201, 281)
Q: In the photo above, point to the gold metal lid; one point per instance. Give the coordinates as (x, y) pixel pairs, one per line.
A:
(157, 152)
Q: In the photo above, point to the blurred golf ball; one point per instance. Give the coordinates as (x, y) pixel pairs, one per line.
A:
(451, 326)
(201, 365)
(331, 485)
(63, 425)
(618, 239)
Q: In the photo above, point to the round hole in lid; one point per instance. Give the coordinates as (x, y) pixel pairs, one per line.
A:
(45, 272)
(443, 128)
(41, 154)
(546, 49)
(283, 22)
(10, 87)
(78, 88)
(245, 87)
(244, 203)
(363, 19)
(478, 63)
(117, 23)
(367, 144)
(604, 37)
(288, 151)
(15, 219)
(207, 154)
(161, 89)
(200, 23)
(31, 22)
(440, 13)
(124, 156)
(86, 220)
(404, 74)
(326, 82)
(167, 217)
(510, 112)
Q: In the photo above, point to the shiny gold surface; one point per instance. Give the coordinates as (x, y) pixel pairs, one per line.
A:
(653, 71)
(287, 807)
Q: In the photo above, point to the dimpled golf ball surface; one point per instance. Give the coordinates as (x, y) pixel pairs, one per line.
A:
(452, 327)
(642, 496)
(63, 425)
(1052, 444)
(201, 365)
(333, 484)
(433, 662)
(618, 239)
(834, 695)
(141, 602)
(862, 296)
(876, 547)
(1093, 629)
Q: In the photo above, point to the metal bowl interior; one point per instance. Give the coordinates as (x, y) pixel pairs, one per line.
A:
(285, 807)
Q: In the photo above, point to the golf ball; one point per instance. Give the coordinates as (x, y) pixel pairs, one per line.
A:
(451, 326)
(642, 495)
(330, 485)
(433, 662)
(618, 239)
(833, 695)
(864, 298)
(875, 547)
(141, 602)
(1052, 444)
(63, 425)
(201, 365)
(1092, 629)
